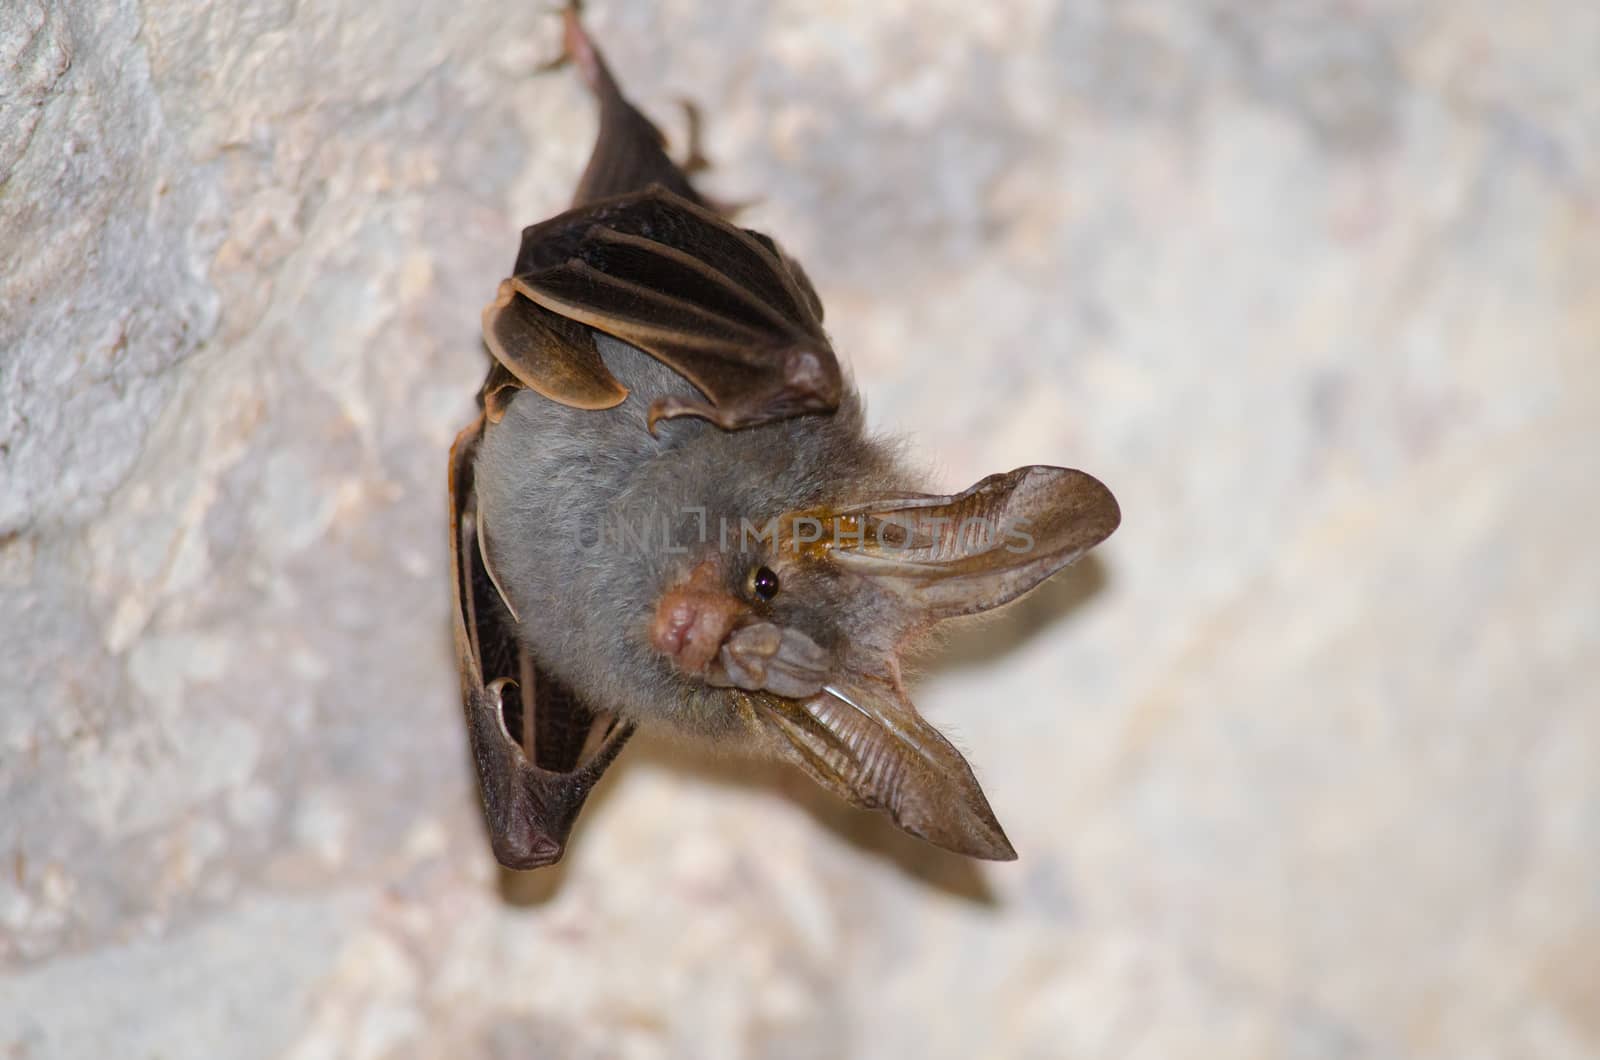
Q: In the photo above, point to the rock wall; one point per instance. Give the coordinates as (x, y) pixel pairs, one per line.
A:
(1304, 765)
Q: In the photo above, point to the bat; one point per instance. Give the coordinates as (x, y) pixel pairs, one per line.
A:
(669, 512)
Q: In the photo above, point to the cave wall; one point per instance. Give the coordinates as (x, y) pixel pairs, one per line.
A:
(1304, 764)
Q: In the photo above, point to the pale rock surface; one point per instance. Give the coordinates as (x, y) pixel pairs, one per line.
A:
(1306, 765)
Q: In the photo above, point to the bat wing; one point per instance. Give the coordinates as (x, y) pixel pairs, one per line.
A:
(716, 303)
(533, 785)
(641, 256)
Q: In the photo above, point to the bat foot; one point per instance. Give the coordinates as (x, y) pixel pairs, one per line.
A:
(695, 161)
(576, 48)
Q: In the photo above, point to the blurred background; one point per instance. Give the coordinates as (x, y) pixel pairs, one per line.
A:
(1305, 763)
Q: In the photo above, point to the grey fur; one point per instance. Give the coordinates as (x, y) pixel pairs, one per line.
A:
(550, 477)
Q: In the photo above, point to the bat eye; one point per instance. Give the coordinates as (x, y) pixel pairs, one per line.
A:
(764, 583)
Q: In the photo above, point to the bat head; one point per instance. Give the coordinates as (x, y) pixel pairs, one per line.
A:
(802, 625)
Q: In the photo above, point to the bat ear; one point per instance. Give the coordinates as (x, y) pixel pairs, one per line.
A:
(961, 554)
(864, 741)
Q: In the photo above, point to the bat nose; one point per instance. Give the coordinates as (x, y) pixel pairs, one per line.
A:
(691, 625)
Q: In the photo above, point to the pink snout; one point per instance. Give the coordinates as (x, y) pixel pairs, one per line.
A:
(690, 626)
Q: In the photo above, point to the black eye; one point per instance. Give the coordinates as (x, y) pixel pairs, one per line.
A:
(764, 583)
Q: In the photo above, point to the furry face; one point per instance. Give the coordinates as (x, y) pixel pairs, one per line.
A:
(631, 559)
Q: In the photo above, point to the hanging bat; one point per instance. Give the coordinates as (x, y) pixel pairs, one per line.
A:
(669, 512)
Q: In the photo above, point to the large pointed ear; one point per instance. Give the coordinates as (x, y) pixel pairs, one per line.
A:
(961, 554)
(863, 740)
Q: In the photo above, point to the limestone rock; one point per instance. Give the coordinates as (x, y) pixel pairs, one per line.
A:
(1305, 764)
